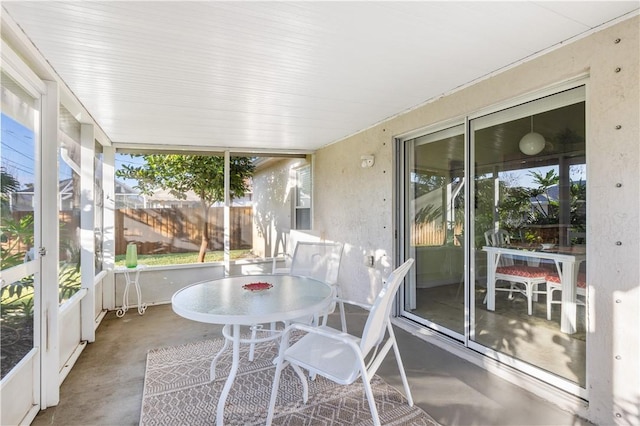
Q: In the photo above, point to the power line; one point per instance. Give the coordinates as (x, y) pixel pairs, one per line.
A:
(11, 148)
(16, 166)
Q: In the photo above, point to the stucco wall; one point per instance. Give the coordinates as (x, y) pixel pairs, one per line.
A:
(356, 206)
(273, 189)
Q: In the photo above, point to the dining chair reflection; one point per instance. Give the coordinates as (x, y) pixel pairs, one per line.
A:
(522, 278)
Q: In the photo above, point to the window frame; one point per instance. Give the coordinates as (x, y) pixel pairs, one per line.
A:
(297, 196)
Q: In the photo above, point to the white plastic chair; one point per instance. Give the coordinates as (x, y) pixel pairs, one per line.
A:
(277, 260)
(530, 276)
(321, 261)
(314, 259)
(341, 357)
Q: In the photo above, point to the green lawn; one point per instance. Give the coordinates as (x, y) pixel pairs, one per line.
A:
(182, 258)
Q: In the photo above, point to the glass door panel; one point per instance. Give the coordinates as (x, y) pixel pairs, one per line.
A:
(529, 240)
(434, 224)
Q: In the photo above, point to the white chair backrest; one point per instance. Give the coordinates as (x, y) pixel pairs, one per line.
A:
(376, 325)
(575, 237)
(499, 238)
(318, 260)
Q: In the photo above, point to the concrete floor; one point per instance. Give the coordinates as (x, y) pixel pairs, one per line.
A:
(510, 330)
(105, 386)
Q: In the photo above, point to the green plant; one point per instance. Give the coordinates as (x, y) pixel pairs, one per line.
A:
(520, 207)
(541, 214)
(16, 298)
(69, 281)
(8, 185)
(16, 233)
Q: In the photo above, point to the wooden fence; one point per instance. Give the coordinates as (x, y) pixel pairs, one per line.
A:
(431, 234)
(179, 229)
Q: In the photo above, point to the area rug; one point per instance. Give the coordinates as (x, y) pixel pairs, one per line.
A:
(177, 391)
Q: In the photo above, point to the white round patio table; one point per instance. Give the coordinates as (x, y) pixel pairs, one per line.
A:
(225, 301)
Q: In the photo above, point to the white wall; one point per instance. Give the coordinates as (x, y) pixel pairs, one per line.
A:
(159, 283)
(361, 213)
(354, 205)
(273, 198)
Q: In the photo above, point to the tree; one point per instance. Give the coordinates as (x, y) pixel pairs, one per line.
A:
(542, 215)
(201, 174)
(8, 185)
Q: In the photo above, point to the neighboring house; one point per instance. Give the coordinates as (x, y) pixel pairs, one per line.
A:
(22, 200)
(128, 197)
(278, 204)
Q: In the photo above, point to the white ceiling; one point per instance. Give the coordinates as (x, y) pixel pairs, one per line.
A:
(283, 76)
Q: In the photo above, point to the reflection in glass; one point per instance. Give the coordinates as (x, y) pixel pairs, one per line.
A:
(539, 201)
(435, 219)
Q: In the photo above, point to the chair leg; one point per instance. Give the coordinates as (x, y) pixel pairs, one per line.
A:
(343, 318)
(372, 403)
(252, 345)
(403, 375)
(550, 291)
(324, 320)
(512, 288)
(274, 391)
(303, 379)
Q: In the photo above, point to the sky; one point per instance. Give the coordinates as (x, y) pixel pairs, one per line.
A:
(17, 151)
(18, 154)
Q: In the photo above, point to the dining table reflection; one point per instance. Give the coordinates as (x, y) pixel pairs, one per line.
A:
(566, 261)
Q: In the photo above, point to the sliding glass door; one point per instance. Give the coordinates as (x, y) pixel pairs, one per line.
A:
(434, 218)
(529, 180)
(521, 295)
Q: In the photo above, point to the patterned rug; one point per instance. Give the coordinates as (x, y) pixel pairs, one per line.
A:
(177, 391)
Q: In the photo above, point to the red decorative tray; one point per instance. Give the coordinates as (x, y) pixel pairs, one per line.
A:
(257, 286)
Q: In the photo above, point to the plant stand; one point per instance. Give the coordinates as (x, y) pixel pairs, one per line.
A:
(131, 276)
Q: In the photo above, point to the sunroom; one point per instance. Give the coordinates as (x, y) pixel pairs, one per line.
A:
(421, 130)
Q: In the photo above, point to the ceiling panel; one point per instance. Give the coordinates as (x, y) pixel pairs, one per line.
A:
(286, 76)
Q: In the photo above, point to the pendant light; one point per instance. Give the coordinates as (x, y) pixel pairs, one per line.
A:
(532, 143)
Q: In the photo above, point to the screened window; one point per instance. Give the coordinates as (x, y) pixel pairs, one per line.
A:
(303, 198)
(172, 207)
(98, 220)
(69, 204)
